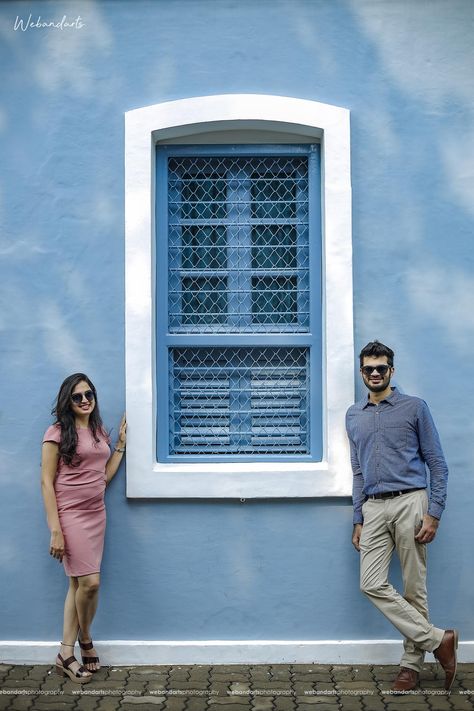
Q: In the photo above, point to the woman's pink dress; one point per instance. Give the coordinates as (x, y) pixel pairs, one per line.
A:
(80, 499)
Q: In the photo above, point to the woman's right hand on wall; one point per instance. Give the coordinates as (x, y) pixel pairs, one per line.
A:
(56, 545)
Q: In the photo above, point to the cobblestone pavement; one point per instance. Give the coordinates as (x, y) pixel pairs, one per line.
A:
(279, 687)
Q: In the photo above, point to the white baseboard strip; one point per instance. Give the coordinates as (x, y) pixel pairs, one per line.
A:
(131, 652)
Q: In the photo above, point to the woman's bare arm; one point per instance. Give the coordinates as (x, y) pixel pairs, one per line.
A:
(49, 465)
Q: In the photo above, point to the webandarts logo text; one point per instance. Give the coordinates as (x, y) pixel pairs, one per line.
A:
(39, 24)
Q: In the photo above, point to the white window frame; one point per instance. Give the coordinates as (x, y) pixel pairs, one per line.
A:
(187, 119)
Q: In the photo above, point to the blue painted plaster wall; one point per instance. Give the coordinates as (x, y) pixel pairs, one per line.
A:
(222, 569)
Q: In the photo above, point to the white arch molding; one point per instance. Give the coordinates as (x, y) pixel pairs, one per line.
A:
(222, 116)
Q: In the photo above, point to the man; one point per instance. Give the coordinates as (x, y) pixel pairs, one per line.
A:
(392, 439)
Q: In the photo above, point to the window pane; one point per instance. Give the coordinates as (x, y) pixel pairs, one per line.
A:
(273, 197)
(203, 198)
(274, 299)
(203, 247)
(239, 401)
(204, 300)
(275, 247)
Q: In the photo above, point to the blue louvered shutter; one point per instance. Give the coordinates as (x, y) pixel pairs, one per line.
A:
(239, 401)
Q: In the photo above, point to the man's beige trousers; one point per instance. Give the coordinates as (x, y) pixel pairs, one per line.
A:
(391, 524)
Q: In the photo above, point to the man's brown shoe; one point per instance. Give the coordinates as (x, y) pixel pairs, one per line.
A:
(406, 680)
(446, 656)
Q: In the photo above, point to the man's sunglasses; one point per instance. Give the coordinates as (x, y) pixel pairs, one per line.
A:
(381, 369)
(77, 397)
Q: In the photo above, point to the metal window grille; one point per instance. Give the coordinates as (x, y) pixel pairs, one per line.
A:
(238, 244)
(236, 338)
(238, 401)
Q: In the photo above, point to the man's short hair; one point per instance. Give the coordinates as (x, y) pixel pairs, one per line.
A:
(376, 349)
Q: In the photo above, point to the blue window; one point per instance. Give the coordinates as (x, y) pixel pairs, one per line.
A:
(238, 303)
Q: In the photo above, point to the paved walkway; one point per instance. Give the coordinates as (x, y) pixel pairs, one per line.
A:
(280, 687)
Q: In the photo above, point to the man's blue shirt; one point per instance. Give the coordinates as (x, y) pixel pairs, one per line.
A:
(391, 443)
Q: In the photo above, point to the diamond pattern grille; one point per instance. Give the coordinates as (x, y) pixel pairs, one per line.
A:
(239, 401)
(238, 244)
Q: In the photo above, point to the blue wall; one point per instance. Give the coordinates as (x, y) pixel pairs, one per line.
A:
(223, 569)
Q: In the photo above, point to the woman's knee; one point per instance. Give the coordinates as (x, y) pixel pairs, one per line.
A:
(89, 584)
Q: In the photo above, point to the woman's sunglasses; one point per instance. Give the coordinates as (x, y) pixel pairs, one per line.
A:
(77, 397)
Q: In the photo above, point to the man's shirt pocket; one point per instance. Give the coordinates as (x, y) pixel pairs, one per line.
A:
(395, 437)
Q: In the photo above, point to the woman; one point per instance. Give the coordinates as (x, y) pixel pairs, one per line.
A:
(76, 467)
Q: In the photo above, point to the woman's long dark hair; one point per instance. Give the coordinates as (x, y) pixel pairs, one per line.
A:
(64, 415)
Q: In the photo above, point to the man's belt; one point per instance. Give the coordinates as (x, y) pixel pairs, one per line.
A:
(392, 494)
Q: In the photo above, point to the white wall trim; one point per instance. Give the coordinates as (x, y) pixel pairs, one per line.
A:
(146, 126)
(129, 652)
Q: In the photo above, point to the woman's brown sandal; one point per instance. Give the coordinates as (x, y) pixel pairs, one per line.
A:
(81, 676)
(89, 660)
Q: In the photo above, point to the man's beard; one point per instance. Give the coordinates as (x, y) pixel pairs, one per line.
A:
(380, 387)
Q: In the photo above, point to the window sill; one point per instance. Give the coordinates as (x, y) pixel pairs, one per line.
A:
(238, 480)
